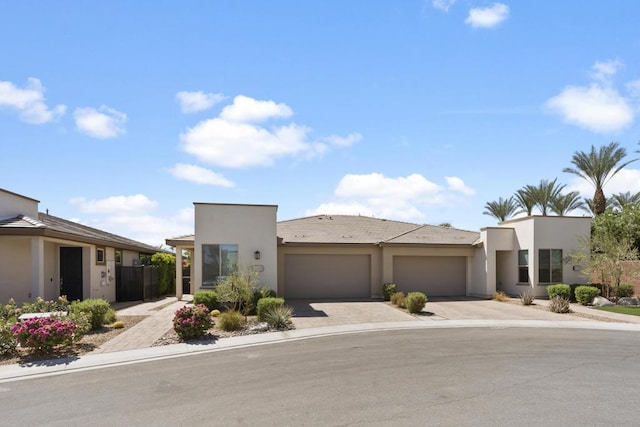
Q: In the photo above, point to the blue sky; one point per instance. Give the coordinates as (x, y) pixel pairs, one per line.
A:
(121, 114)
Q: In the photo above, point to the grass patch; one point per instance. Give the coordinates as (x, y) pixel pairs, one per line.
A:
(634, 311)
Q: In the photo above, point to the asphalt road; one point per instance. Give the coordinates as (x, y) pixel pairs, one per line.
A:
(411, 377)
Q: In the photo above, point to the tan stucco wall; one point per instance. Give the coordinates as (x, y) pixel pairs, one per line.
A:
(251, 227)
(15, 269)
(12, 205)
(531, 234)
(476, 268)
(128, 257)
(51, 271)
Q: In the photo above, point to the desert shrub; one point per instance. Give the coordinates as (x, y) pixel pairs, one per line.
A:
(397, 299)
(526, 298)
(622, 290)
(208, 298)
(42, 306)
(258, 294)
(560, 290)
(118, 324)
(97, 308)
(192, 322)
(231, 320)
(43, 334)
(82, 319)
(586, 294)
(278, 316)
(559, 304)
(8, 342)
(10, 312)
(265, 304)
(110, 317)
(237, 290)
(501, 296)
(415, 302)
(389, 289)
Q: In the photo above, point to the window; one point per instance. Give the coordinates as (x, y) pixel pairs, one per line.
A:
(218, 261)
(550, 266)
(523, 266)
(100, 256)
(118, 256)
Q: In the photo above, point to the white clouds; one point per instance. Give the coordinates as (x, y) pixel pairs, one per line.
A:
(457, 184)
(344, 141)
(625, 180)
(443, 5)
(402, 198)
(598, 107)
(199, 175)
(191, 102)
(633, 87)
(487, 17)
(102, 123)
(604, 71)
(29, 102)
(115, 204)
(249, 110)
(133, 217)
(235, 140)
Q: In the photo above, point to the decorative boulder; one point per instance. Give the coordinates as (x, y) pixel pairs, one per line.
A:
(629, 301)
(601, 302)
(260, 327)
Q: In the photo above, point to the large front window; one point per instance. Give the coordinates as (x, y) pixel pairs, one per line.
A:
(550, 266)
(523, 266)
(218, 261)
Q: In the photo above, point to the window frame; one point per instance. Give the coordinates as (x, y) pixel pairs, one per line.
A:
(101, 255)
(555, 269)
(523, 268)
(224, 256)
(118, 256)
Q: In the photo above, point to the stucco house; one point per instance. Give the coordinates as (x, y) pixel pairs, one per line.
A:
(343, 256)
(44, 256)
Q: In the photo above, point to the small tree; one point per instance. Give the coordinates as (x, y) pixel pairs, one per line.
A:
(603, 257)
(166, 264)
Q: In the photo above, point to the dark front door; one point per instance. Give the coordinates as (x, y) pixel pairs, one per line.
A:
(71, 273)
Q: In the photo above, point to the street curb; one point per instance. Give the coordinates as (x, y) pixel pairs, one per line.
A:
(45, 368)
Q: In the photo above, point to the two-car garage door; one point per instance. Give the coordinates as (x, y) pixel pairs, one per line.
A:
(436, 276)
(344, 276)
(327, 276)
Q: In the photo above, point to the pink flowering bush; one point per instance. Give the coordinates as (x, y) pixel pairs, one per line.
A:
(192, 321)
(42, 334)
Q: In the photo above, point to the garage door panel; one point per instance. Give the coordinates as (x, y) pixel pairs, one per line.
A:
(433, 275)
(327, 276)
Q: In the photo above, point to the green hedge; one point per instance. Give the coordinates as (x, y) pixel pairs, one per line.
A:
(586, 294)
(267, 304)
(559, 290)
(97, 310)
(208, 298)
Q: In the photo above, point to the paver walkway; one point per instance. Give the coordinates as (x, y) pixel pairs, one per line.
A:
(148, 331)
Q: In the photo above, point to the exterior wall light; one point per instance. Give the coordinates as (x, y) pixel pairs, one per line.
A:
(256, 254)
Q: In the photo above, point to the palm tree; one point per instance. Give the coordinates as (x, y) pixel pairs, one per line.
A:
(620, 200)
(525, 199)
(587, 206)
(545, 193)
(562, 204)
(598, 168)
(502, 209)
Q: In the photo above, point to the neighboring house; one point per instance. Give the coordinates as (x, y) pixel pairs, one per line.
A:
(342, 256)
(45, 256)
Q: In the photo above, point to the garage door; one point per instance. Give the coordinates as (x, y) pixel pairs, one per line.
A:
(327, 276)
(435, 276)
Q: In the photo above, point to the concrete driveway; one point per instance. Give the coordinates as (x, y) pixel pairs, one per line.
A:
(318, 313)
